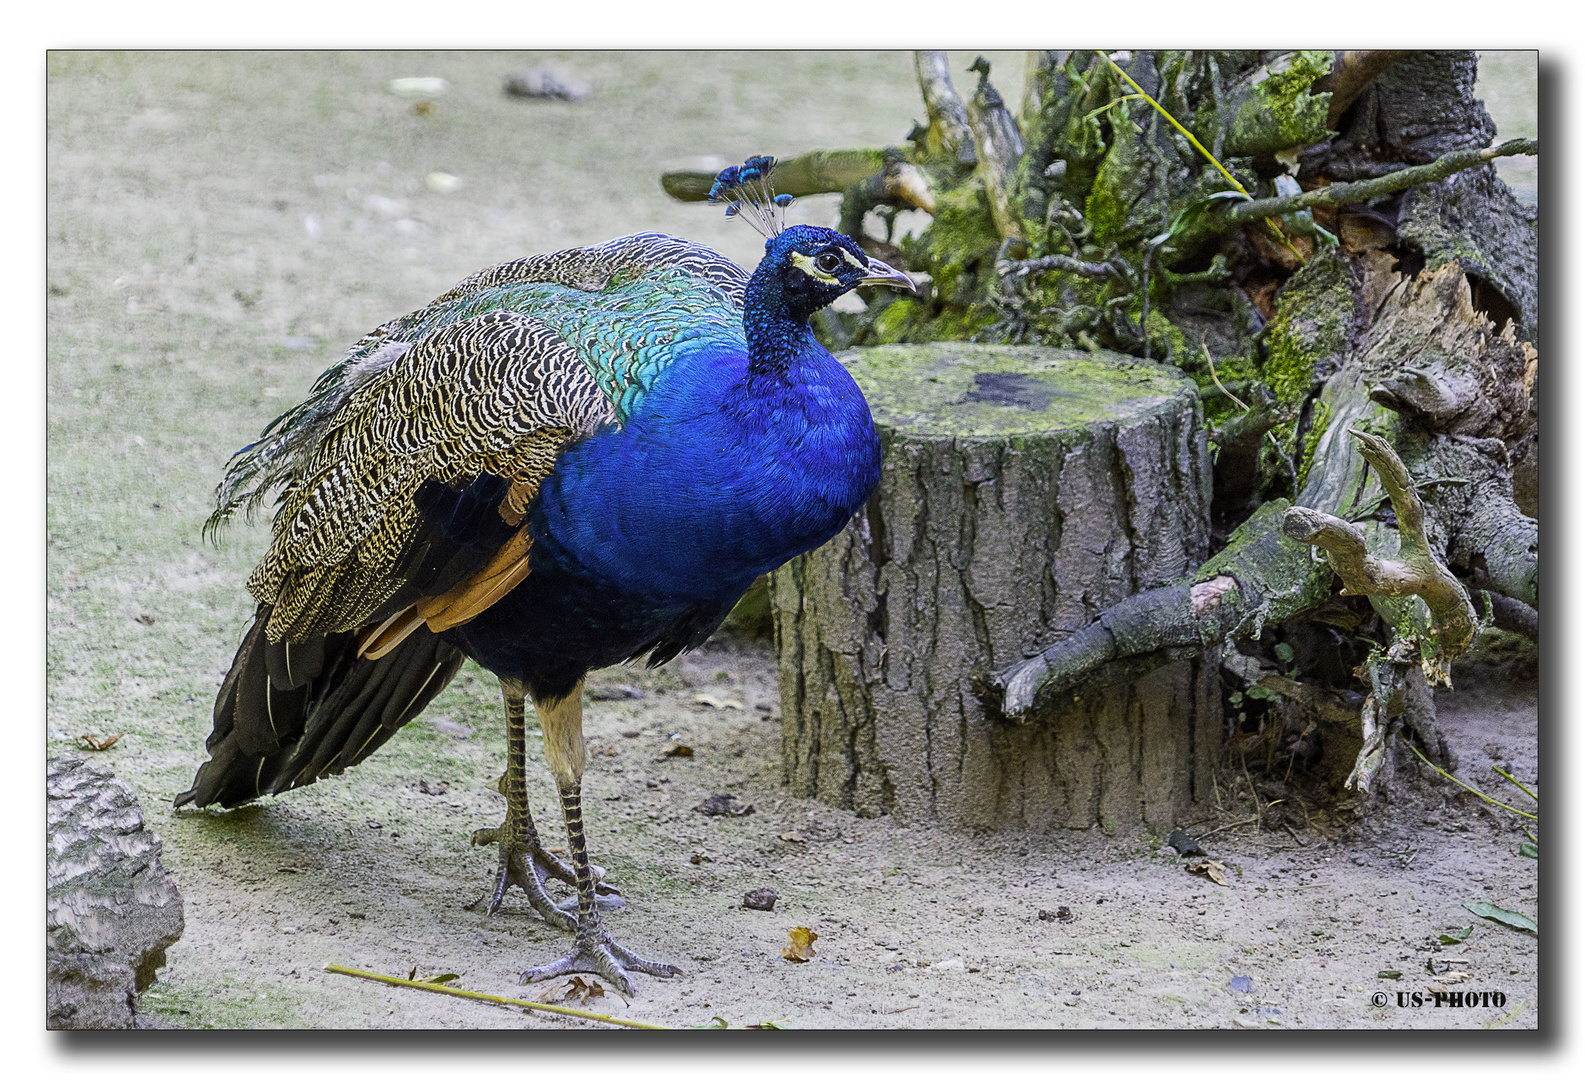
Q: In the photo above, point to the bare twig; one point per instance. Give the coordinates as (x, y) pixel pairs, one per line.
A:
(1022, 267)
(1359, 191)
(1508, 777)
(1229, 825)
(1472, 790)
(518, 1003)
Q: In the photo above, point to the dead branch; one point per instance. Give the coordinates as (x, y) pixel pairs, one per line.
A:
(818, 172)
(1258, 578)
(1172, 615)
(998, 146)
(1415, 572)
(948, 134)
(898, 184)
(1361, 190)
(1024, 267)
(1513, 615)
(1350, 75)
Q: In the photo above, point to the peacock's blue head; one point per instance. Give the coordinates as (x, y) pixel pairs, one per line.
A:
(805, 266)
(813, 266)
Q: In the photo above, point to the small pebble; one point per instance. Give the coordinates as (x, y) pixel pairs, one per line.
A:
(761, 899)
(541, 83)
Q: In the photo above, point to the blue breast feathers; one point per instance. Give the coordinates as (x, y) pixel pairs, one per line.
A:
(716, 477)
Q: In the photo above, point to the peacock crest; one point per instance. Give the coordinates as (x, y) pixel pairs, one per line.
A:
(747, 193)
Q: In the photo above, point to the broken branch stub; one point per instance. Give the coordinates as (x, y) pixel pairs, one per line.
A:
(998, 145)
(948, 133)
(1415, 572)
(818, 172)
(1352, 72)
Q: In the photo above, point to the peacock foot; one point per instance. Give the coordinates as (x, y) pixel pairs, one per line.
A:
(597, 954)
(528, 865)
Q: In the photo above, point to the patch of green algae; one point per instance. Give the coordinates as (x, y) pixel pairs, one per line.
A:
(964, 389)
(1314, 310)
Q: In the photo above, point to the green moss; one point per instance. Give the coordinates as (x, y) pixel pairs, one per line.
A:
(893, 322)
(1318, 424)
(963, 389)
(1165, 338)
(1121, 182)
(961, 240)
(1274, 110)
(1311, 323)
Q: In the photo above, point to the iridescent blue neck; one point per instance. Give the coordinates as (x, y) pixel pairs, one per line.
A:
(776, 328)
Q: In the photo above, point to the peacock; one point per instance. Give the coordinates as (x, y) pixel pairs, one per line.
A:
(566, 462)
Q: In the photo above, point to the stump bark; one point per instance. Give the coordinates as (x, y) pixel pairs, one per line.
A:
(1024, 491)
(111, 910)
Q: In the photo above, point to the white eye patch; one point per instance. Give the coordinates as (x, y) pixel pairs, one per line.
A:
(806, 263)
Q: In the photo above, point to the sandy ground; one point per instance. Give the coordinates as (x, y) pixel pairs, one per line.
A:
(917, 927)
(220, 226)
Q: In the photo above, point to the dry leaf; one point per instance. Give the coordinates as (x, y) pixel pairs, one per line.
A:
(146, 620)
(574, 987)
(800, 944)
(1264, 299)
(99, 744)
(439, 787)
(792, 837)
(676, 749)
(411, 975)
(1212, 869)
(717, 703)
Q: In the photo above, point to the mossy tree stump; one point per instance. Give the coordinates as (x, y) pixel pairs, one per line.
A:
(1024, 491)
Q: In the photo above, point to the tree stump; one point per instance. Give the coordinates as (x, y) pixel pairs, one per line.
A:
(1024, 491)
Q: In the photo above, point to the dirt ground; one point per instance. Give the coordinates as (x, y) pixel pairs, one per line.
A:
(220, 226)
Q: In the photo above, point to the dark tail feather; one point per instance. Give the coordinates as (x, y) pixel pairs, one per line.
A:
(289, 713)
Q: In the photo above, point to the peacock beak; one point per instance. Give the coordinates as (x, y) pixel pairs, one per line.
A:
(881, 274)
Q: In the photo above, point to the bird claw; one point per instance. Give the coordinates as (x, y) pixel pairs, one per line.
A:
(520, 866)
(601, 956)
(528, 866)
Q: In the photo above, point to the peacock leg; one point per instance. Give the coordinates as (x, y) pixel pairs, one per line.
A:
(593, 950)
(523, 860)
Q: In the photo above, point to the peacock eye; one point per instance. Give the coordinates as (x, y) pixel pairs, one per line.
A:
(828, 262)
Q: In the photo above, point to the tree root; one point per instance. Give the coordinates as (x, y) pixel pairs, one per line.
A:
(1512, 615)
(1350, 75)
(1415, 572)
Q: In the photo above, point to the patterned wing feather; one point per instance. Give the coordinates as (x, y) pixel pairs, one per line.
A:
(623, 307)
(498, 394)
(494, 378)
